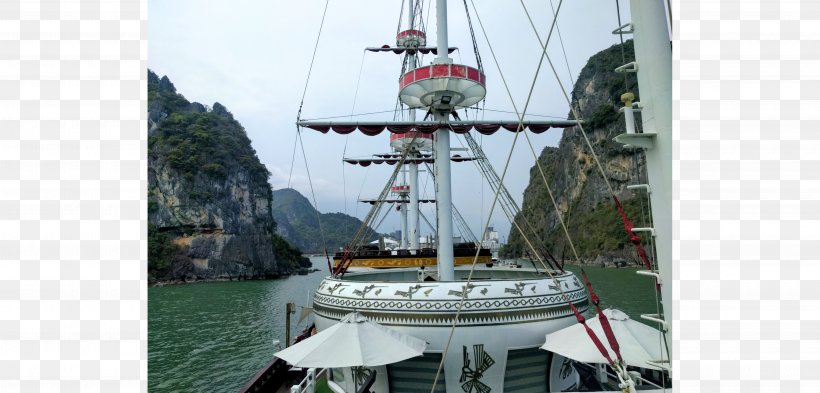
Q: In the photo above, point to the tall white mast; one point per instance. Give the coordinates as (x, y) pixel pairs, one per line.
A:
(442, 87)
(413, 206)
(413, 226)
(403, 211)
(444, 205)
(653, 54)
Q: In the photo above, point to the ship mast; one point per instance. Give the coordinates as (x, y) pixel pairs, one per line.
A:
(441, 109)
(653, 51)
(413, 168)
(440, 88)
(653, 56)
(403, 211)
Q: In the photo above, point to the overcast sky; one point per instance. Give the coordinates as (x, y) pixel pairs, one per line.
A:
(253, 57)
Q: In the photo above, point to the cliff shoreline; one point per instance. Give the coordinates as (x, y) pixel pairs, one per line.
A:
(582, 194)
(209, 200)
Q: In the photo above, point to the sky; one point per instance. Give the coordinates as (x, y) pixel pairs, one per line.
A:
(254, 57)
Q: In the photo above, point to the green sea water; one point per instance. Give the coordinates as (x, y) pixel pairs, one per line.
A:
(621, 288)
(213, 337)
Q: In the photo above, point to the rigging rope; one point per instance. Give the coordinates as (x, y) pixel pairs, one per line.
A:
(299, 129)
(432, 228)
(313, 195)
(561, 41)
(347, 137)
(627, 225)
(626, 378)
(511, 112)
(495, 199)
(527, 137)
(508, 204)
(386, 212)
(463, 228)
(621, 35)
(361, 189)
(401, 16)
(293, 157)
(532, 87)
(573, 109)
(350, 115)
(472, 36)
(633, 237)
(356, 242)
(418, 10)
(610, 336)
(312, 59)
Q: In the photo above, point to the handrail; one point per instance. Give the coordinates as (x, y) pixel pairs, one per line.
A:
(272, 374)
(615, 377)
(368, 383)
(308, 385)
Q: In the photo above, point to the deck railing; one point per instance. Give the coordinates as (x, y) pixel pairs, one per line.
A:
(308, 385)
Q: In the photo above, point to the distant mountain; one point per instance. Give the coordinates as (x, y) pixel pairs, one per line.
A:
(298, 222)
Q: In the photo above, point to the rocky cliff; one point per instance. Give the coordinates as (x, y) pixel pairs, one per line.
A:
(298, 222)
(581, 193)
(209, 201)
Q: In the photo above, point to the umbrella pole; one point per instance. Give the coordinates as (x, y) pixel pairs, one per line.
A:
(288, 310)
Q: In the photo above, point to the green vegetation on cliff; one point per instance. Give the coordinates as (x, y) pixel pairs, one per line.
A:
(604, 63)
(161, 250)
(200, 142)
(582, 195)
(599, 232)
(536, 200)
(298, 222)
(208, 195)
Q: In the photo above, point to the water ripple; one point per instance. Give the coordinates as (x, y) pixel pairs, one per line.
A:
(213, 337)
(210, 337)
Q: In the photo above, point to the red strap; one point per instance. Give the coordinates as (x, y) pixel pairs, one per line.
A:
(634, 238)
(343, 264)
(592, 295)
(610, 335)
(591, 334)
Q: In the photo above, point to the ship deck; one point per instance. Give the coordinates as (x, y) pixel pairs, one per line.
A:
(480, 273)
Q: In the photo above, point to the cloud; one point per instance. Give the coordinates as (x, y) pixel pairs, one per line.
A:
(254, 58)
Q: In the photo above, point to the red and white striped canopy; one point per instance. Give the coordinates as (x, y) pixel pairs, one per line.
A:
(400, 50)
(374, 201)
(393, 160)
(372, 128)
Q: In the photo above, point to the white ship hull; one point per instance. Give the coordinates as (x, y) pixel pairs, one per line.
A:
(503, 312)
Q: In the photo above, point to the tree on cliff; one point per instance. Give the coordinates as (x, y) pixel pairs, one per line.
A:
(298, 222)
(583, 199)
(209, 200)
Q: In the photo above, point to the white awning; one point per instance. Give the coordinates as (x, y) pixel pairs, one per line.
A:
(354, 341)
(639, 343)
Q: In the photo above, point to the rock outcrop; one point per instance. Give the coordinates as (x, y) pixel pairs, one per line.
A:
(582, 196)
(208, 194)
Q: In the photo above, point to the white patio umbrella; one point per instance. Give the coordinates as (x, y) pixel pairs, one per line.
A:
(638, 342)
(354, 341)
